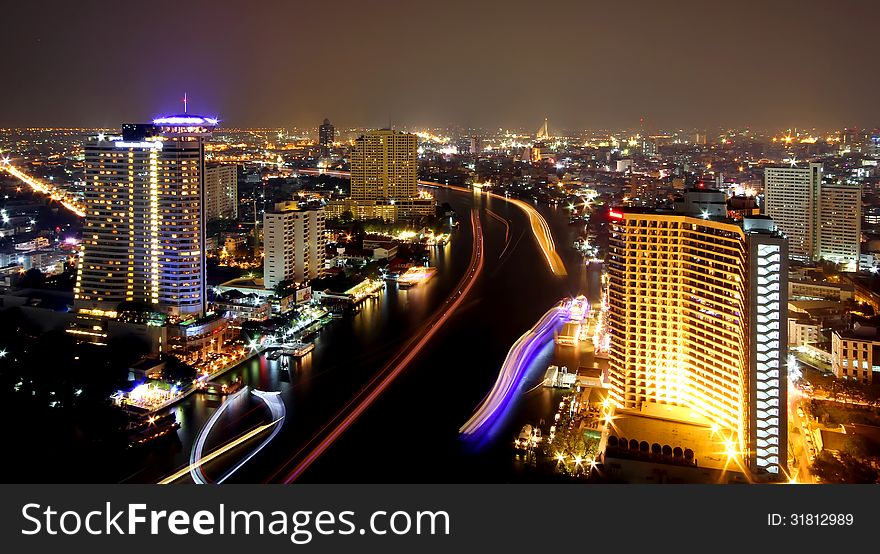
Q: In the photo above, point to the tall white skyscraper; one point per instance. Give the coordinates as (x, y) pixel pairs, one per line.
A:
(293, 245)
(768, 349)
(144, 230)
(821, 220)
(791, 199)
(221, 191)
(840, 224)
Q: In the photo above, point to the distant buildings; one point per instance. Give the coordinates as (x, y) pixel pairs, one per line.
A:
(822, 221)
(475, 146)
(840, 224)
(326, 136)
(697, 316)
(791, 198)
(293, 245)
(144, 230)
(384, 179)
(221, 192)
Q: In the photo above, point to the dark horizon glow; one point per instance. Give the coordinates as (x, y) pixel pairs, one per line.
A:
(583, 64)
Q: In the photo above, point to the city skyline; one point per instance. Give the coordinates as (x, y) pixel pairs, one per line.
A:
(600, 66)
(203, 294)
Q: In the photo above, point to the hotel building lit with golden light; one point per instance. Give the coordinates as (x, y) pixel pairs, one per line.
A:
(681, 290)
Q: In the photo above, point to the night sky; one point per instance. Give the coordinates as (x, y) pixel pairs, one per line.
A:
(582, 63)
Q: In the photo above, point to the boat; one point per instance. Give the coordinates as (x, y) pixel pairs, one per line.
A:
(147, 430)
(525, 437)
(304, 349)
(297, 349)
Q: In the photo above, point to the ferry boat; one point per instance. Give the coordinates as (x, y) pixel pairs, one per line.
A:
(298, 349)
(529, 437)
(304, 349)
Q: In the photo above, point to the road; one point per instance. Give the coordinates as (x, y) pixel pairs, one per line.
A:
(329, 433)
(53, 192)
(797, 441)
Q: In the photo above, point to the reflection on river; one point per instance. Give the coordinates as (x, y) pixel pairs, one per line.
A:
(411, 433)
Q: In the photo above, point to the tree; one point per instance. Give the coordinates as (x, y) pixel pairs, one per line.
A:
(284, 288)
(31, 279)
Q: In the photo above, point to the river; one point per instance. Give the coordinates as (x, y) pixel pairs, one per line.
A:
(411, 433)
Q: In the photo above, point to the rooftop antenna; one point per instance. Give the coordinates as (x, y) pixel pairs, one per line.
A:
(184, 102)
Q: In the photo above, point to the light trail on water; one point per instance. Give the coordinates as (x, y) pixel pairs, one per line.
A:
(514, 371)
(539, 226)
(353, 410)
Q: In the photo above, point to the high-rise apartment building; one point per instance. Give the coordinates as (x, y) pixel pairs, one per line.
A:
(384, 166)
(326, 136)
(840, 224)
(144, 229)
(384, 177)
(680, 296)
(822, 221)
(221, 192)
(293, 245)
(791, 198)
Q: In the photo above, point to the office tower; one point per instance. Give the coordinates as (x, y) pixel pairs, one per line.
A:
(326, 136)
(221, 192)
(791, 198)
(679, 297)
(768, 348)
(840, 224)
(384, 166)
(293, 244)
(144, 230)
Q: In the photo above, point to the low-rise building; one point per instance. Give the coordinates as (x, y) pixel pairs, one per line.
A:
(819, 290)
(239, 306)
(855, 354)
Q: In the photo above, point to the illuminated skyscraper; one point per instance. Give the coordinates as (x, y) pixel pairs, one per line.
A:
(384, 166)
(822, 221)
(384, 178)
(767, 349)
(144, 230)
(840, 224)
(791, 198)
(326, 136)
(680, 299)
